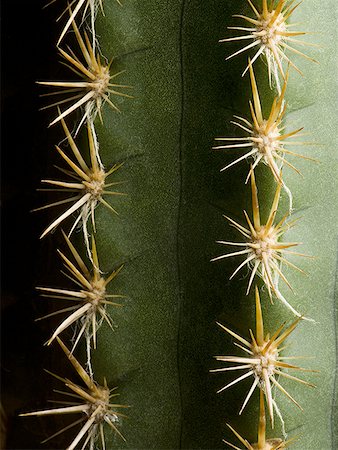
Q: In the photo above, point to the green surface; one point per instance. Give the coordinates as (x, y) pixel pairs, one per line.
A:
(313, 101)
(141, 355)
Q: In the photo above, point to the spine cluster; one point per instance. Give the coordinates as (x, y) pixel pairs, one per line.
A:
(84, 185)
(265, 143)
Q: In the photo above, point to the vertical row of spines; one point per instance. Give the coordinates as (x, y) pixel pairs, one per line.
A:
(84, 185)
(265, 142)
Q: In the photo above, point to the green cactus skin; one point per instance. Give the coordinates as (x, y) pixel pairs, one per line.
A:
(141, 355)
(185, 95)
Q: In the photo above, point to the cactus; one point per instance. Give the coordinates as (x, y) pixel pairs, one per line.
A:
(161, 350)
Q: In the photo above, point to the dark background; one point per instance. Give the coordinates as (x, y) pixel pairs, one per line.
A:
(28, 54)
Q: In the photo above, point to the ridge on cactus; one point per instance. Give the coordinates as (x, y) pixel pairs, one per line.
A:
(92, 401)
(265, 140)
(93, 89)
(271, 34)
(263, 361)
(263, 250)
